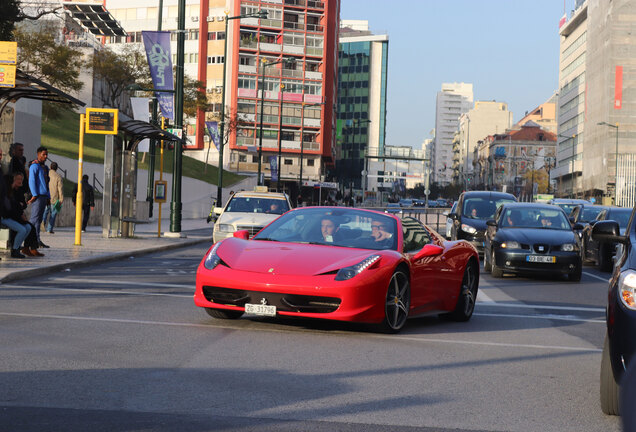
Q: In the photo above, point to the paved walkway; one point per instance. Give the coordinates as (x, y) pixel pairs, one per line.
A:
(63, 254)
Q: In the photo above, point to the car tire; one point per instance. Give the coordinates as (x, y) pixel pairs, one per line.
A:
(397, 303)
(467, 296)
(609, 387)
(575, 276)
(495, 271)
(605, 263)
(224, 313)
(487, 263)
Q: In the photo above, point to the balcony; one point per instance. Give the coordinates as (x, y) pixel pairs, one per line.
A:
(293, 25)
(316, 28)
(316, 4)
(250, 93)
(317, 52)
(292, 73)
(280, 2)
(271, 47)
(313, 75)
(249, 21)
(294, 49)
(271, 23)
(247, 69)
(311, 122)
(297, 3)
(248, 43)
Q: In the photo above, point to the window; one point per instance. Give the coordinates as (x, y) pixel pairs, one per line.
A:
(242, 158)
(215, 60)
(310, 162)
(288, 162)
(254, 159)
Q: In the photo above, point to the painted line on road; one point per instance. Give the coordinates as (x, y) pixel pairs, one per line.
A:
(385, 337)
(111, 282)
(482, 297)
(96, 291)
(540, 307)
(596, 277)
(546, 317)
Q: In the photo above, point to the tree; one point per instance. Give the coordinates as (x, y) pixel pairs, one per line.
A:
(117, 72)
(42, 56)
(12, 12)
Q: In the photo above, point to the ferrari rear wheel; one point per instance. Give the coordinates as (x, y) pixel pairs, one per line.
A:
(467, 295)
(224, 314)
(398, 301)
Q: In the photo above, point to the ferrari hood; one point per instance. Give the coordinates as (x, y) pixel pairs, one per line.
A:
(287, 258)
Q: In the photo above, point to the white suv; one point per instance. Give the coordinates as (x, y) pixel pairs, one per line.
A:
(249, 211)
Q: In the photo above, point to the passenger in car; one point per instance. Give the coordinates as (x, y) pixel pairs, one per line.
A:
(328, 228)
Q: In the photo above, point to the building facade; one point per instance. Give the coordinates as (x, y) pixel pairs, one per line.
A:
(361, 107)
(453, 100)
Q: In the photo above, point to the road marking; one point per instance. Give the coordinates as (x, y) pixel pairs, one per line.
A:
(270, 330)
(482, 297)
(112, 282)
(97, 291)
(547, 317)
(541, 307)
(596, 277)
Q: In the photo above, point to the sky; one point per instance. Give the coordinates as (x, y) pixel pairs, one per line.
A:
(508, 50)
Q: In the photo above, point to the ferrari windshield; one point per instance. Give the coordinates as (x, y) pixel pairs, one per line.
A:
(535, 217)
(344, 227)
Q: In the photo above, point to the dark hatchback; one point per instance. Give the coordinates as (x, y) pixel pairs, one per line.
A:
(602, 252)
(531, 237)
(568, 204)
(473, 209)
(620, 344)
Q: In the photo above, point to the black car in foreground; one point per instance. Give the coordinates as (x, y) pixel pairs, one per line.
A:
(473, 209)
(602, 252)
(620, 344)
(531, 237)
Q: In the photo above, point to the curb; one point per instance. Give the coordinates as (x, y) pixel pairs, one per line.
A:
(25, 274)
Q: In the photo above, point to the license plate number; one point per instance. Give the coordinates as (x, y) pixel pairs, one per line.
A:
(540, 259)
(260, 309)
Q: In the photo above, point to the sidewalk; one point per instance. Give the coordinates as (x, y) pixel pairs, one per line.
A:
(63, 254)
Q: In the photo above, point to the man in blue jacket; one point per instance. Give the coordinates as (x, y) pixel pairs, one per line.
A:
(38, 185)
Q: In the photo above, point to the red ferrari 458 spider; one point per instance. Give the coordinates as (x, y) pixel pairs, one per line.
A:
(343, 264)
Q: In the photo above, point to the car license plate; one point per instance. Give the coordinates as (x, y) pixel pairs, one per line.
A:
(260, 309)
(540, 259)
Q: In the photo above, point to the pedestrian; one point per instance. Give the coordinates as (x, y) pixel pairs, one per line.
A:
(88, 200)
(18, 206)
(39, 187)
(21, 230)
(17, 164)
(57, 198)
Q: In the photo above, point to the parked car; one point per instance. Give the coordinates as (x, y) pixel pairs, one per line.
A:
(248, 211)
(373, 268)
(619, 348)
(449, 220)
(568, 204)
(393, 208)
(584, 214)
(474, 208)
(531, 238)
(406, 202)
(602, 252)
(442, 202)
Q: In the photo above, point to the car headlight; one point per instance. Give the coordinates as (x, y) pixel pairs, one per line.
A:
(212, 260)
(511, 245)
(224, 228)
(347, 273)
(469, 229)
(627, 289)
(569, 247)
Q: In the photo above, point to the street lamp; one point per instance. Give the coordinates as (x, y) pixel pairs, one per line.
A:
(262, 86)
(259, 14)
(616, 173)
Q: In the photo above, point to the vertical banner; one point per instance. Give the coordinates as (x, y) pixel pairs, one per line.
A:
(157, 45)
(618, 88)
(273, 166)
(212, 129)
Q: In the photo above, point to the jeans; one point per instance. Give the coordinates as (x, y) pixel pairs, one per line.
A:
(49, 217)
(21, 230)
(37, 211)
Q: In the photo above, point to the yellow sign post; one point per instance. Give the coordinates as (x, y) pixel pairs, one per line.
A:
(102, 121)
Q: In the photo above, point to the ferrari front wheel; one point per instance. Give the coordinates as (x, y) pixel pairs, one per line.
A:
(467, 295)
(398, 301)
(223, 313)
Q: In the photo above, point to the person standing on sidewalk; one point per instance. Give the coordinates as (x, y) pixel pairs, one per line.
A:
(17, 164)
(5, 212)
(88, 200)
(39, 187)
(57, 198)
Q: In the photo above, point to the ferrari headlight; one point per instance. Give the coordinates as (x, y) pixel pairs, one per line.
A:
(511, 245)
(627, 289)
(569, 247)
(212, 260)
(224, 228)
(347, 273)
(469, 229)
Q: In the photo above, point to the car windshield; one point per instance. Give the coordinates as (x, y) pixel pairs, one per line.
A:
(482, 208)
(343, 227)
(257, 205)
(589, 213)
(567, 208)
(532, 217)
(621, 216)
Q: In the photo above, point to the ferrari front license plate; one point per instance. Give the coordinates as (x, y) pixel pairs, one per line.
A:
(260, 309)
(540, 259)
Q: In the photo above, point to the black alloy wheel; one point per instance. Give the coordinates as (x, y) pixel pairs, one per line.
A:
(398, 301)
(467, 295)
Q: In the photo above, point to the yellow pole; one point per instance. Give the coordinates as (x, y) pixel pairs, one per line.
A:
(80, 173)
(163, 120)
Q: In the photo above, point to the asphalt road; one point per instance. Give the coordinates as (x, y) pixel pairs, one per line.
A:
(121, 347)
